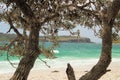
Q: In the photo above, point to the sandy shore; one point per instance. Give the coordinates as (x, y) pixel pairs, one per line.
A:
(58, 73)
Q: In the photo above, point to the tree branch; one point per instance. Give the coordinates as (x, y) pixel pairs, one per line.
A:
(12, 26)
(27, 11)
(85, 5)
(70, 72)
(94, 13)
(50, 18)
(113, 11)
(44, 62)
(9, 60)
(6, 47)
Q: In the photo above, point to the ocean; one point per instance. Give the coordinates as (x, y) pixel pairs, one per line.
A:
(83, 53)
(74, 50)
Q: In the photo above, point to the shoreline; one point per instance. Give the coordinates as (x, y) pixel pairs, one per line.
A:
(42, 72)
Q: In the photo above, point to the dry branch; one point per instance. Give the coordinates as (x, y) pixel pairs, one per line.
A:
(70, 72)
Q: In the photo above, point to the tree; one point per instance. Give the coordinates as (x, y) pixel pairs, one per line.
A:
(107, 19)
(47, 17)
(42, 16)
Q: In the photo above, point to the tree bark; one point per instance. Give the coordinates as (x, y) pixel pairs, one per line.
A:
(100, 68)
(107, 21)
(32, 49)
(70, 72)
(31, 54)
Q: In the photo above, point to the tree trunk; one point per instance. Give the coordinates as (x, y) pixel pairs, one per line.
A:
(32, 49)
(107, 21)
(70, 72)
(29, 58)
(100, 68)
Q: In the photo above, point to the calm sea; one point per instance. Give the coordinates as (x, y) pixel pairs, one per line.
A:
(74, 51)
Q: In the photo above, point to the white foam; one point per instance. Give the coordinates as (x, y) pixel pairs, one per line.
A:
(55, 51)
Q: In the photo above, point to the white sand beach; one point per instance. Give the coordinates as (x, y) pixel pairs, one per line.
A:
(57, 72)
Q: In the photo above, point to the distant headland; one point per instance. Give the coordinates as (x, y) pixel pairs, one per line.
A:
(70, 39)
(9, 37)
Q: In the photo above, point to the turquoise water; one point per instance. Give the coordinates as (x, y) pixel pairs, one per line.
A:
(76, 50)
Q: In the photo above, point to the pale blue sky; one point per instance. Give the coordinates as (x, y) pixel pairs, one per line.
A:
(84, 32)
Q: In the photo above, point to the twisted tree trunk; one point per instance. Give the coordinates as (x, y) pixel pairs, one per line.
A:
(107, 21)
(101, 67)
(32, 49)
(31, 55)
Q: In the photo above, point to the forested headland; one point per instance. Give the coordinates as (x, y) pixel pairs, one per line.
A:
(9, 37)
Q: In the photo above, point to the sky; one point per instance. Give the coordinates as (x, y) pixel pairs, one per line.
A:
(84, 32)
